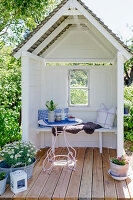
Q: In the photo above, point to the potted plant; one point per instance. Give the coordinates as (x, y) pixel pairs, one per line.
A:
(3, 179)
(18, 156)
(119, 166)
(51, 106)
(126, 107)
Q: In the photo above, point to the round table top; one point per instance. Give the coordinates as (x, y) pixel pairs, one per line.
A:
(64, 122)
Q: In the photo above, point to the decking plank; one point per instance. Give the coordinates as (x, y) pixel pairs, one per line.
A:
(40, 182)
(109, 183)
(49, 188)
(97, 186)
(121, 186)
(129, 182)
(74, 184)
(86, 180)
(61, 188)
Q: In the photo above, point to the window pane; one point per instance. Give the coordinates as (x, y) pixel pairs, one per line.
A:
(78, 78)
(79, 96)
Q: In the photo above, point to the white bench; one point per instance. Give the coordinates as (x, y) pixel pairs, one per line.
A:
(99, 131)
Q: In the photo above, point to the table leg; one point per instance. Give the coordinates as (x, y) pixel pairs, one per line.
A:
(50, 158)
(71, 155)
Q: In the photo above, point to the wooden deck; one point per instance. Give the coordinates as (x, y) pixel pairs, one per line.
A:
(90, 180)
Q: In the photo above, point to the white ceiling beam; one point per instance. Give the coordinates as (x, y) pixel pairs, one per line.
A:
(72, 13)
(42, 30)
(80, 60)
(73, 21)
(50, 37)
(103, 31)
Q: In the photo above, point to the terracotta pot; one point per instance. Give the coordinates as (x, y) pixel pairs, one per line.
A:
(119, 170)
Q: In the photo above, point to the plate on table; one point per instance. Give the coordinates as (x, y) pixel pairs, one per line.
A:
(118, 178)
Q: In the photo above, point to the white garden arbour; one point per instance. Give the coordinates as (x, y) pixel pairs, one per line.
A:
(59, 39)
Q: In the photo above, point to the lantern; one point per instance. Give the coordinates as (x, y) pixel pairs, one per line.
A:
(18, 181)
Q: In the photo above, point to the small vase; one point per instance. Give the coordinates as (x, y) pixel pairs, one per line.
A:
(51, 116)
(3, 185)
(119, 170)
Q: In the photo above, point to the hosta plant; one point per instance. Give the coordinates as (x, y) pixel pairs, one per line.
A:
(18, 154)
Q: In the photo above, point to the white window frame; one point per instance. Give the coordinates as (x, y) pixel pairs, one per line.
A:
(86, 88)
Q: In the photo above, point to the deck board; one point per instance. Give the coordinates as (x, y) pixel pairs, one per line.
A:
(86, 181)
(90, 180)
(73, 188)
(61, 188)
(109, 183)
(97, 184)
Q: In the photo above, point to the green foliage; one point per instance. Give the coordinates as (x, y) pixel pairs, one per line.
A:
(50, 105)
(2, 176)
(19, 17)
(128, 120)
(78, 87)
(10, 97)
(21, 153)
(79, 96)
(123, 160)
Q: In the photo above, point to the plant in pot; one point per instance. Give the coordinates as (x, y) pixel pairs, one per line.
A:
(51, 106)
(3, 179)
(18, 156)
(119, 166)
(127, 105)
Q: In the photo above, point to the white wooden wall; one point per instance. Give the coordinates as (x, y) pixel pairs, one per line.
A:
(31, 97)
(102, 89)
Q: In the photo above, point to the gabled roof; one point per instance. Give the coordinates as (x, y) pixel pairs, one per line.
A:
(58, 22)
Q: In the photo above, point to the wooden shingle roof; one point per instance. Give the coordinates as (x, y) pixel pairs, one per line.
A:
(38, 42)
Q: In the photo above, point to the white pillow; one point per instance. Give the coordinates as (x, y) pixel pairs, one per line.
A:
(105, 116)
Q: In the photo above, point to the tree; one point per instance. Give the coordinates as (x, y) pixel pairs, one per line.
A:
(20, 16)
(128, 67)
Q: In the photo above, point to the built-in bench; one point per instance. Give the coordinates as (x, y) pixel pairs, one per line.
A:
(100, 131)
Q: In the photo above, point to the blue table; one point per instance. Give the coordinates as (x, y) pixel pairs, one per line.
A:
(71, 156)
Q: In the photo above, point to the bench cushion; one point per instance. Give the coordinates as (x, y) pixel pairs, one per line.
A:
(106, 116)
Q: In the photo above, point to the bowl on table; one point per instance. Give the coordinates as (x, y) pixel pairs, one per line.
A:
(71, 119)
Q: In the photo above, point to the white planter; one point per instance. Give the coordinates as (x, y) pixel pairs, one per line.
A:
(119, 170)
(51, 116)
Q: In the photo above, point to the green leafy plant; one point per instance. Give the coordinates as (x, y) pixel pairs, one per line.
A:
(51, 106)
(2, 176)
(123, 160)
(128, 120)
(127, 103)
(22, 153)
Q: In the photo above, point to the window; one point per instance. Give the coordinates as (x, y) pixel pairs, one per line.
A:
(78, 87)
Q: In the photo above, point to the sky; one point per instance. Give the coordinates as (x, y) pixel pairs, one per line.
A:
(116, 14)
